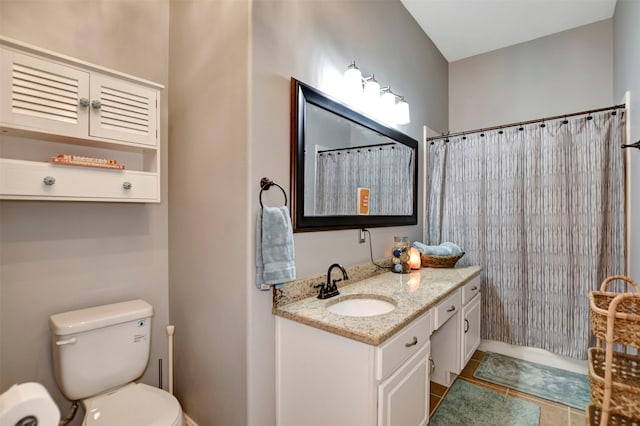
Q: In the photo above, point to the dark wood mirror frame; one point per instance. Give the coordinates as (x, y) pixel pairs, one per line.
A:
(301, 95)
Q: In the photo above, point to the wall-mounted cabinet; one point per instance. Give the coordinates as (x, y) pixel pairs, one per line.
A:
(51, 104)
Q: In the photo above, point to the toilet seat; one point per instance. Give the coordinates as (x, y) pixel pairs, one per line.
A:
(134, 404)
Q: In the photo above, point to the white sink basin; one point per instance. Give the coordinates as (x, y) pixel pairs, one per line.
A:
(365, 306)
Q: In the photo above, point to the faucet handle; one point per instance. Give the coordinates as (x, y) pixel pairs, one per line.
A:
(323, 290)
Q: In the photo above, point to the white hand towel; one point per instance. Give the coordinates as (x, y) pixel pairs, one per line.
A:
(275, 254)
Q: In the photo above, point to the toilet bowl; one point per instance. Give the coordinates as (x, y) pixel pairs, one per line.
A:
(134, 404)
(98, 353)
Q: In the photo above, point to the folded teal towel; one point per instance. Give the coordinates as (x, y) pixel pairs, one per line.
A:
(275, 254)
(455, 250)
(439, 251)
(444, 249)
(422, 248)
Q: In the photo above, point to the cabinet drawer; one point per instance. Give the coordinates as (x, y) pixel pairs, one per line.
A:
(25, 180)
(400, 347)
(446, 309)
(470, 289)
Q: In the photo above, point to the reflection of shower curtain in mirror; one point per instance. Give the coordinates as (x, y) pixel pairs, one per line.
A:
(386, 170)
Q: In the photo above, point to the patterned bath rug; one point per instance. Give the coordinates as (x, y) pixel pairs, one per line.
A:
(554, 384)
(466, 404)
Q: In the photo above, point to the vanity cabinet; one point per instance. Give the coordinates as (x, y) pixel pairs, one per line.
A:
(470, 332)
(326, 379)
(445, 340)
(51, 104)
(457, 332)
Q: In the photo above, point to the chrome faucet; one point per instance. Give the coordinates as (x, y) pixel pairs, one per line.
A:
(330, 288)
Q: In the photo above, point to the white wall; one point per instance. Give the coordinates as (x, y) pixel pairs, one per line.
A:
(626, 38)
(562, 73)
(314, 41)
(60, 256)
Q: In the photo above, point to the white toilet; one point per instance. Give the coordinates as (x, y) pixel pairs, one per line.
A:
(98, 353)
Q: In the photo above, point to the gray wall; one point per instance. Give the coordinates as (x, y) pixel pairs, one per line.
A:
(60, 256)
(209, 221)
(562, 73)
(626, 38)
(314, 41)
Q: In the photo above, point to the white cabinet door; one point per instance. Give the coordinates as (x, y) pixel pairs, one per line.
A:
(123, 111)
(42, 96)
(445, 351)
(403, 399)
(470, 329)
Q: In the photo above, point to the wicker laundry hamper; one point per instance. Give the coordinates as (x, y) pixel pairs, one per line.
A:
(614, 373)
(626, 314)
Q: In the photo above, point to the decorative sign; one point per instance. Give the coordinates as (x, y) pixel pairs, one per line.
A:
(363, 201)
(77, 160)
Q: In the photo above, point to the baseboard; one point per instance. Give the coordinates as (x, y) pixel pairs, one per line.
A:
(188, 421)
(535, 355)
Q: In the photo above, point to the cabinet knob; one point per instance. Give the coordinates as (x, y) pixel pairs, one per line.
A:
(451, 309)
(466, 325)
(432, 366)
(96, 104)
(127, 185)
(83, 102)
(49, 180)
(474, 288)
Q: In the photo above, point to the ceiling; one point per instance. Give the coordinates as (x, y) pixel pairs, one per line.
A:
(463, 28)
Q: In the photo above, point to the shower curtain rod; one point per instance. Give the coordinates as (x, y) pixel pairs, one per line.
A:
(521, 123)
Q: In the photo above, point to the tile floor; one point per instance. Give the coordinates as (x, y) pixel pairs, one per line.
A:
(551, 413)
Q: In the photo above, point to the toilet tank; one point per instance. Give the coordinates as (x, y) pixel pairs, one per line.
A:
(100, 348)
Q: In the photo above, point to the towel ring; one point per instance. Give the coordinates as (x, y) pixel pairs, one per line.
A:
(265, 184)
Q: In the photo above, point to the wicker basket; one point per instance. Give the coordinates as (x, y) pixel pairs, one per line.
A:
(429, 261)
(594, 414)
(625, 382)
(624, 312)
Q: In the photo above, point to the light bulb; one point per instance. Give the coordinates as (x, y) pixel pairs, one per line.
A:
(402, 111)
(353, 84)
(387, 106)
(371, 96)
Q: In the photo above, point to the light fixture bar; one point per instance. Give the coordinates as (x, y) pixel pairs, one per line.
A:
(365, 94)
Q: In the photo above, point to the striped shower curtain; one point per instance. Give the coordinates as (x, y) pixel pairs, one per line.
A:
(541, 209)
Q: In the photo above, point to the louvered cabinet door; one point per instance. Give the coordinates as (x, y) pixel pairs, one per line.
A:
(42, 96)
(123, 111)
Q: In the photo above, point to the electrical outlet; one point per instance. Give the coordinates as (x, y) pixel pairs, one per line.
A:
(361, 238)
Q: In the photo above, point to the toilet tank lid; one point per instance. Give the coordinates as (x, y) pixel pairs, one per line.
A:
(98, 316)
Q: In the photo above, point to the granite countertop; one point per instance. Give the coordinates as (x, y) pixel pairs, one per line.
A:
(413, 294)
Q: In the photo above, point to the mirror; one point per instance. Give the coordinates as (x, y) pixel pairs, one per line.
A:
(347, 169)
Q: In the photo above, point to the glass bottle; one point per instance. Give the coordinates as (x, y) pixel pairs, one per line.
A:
(400, 254)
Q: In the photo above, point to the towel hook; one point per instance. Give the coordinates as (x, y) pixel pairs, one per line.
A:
(265, 184)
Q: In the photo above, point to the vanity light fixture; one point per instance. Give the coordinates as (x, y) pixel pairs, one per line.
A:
(353, 82)
(371, 91)
(366, 94)
(402, 111)
(388, 105)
